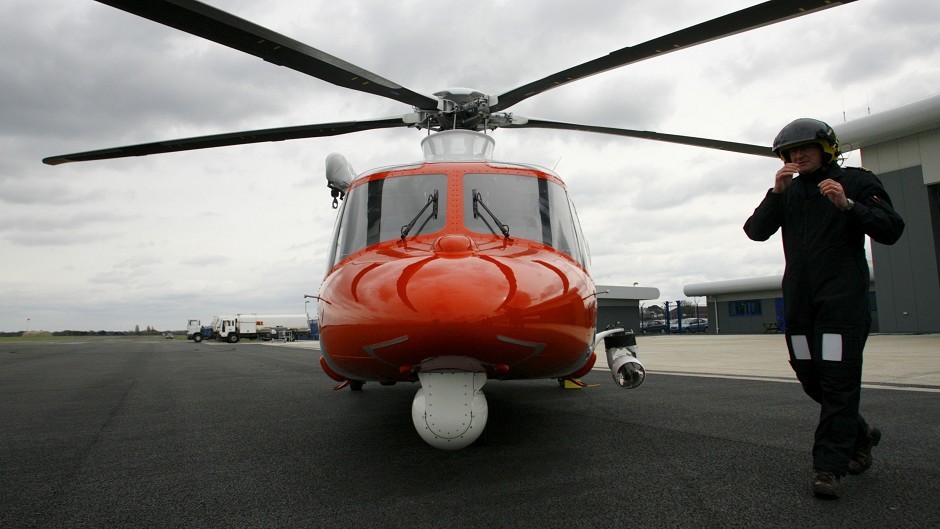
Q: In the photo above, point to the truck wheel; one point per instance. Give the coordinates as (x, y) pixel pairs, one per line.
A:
(233, 338)
(197, 337)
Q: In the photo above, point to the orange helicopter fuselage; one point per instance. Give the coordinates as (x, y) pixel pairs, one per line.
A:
(522, 306)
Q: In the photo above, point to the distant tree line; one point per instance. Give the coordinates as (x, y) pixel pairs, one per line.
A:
(149, 331)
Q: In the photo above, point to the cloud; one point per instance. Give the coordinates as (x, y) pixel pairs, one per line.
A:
(206, 260)
(160, 239)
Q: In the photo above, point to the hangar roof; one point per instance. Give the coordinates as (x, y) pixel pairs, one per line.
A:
(747, 284)
(733, 286)
(617, 292)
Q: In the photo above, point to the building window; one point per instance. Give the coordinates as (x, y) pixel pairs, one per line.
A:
(750, 307)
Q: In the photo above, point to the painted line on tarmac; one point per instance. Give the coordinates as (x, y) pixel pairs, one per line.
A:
(866, 385)
(315, 345)
(903, 387)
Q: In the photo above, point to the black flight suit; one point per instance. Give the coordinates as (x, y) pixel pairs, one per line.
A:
(825, 294)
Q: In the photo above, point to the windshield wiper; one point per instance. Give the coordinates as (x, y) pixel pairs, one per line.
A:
(432, 201)
(478, 199)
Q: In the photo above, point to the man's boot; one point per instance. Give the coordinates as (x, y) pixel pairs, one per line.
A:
(826, 485)
(862, 459)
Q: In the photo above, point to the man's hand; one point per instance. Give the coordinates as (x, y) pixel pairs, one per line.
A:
(834, 192)
(784, 177)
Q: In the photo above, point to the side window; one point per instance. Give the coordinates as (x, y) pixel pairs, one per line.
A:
(582, 240)
(349, 235)
(565, 236)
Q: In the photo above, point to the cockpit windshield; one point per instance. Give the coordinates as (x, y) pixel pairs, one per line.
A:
(525, 207)
(505, 205)
(382, 209)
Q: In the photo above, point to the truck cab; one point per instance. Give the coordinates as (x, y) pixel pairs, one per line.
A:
(232, 328)
(194, 331)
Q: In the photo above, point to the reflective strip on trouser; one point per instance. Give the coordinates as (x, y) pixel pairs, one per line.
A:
(829, 366)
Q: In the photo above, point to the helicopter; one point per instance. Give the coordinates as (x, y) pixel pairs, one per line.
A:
(458, 268)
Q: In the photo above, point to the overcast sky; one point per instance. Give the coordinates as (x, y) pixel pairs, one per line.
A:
(156, 240)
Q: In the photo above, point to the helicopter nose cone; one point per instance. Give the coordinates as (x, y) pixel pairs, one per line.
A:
(456, 286)
(453, 246)
(513, 305)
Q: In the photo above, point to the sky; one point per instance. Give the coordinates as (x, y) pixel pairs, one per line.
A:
(156, 240)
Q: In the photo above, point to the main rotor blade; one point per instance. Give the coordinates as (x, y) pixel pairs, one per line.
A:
(232, 138)
(744, 20)
(213, 24)
(743, 148)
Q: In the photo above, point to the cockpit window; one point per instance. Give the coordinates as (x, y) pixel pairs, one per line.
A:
(376, 211)
(526, 207)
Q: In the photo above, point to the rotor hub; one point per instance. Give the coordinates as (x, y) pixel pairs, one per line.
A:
(462, 109)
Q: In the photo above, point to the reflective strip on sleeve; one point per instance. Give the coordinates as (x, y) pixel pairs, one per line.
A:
(800, 347)
(832, 347)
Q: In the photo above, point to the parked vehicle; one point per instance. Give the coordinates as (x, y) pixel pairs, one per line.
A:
(653, 327)
(689, 325)
(253, 326)
(198, 332)
(287, 326)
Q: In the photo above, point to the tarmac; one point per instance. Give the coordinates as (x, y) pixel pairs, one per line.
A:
(145, 432)
(900, 361)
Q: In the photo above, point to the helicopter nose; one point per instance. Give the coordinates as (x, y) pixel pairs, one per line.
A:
(503, 305)
(456, 285)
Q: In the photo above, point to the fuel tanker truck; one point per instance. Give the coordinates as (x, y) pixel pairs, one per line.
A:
(251, 326)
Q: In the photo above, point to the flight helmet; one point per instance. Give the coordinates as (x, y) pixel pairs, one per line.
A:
(806, 130)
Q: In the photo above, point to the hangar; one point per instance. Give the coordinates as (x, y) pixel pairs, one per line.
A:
(902, 146)
(752, 305)
(621, 304)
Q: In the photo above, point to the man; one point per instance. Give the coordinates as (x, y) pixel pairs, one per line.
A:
(825, 212)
